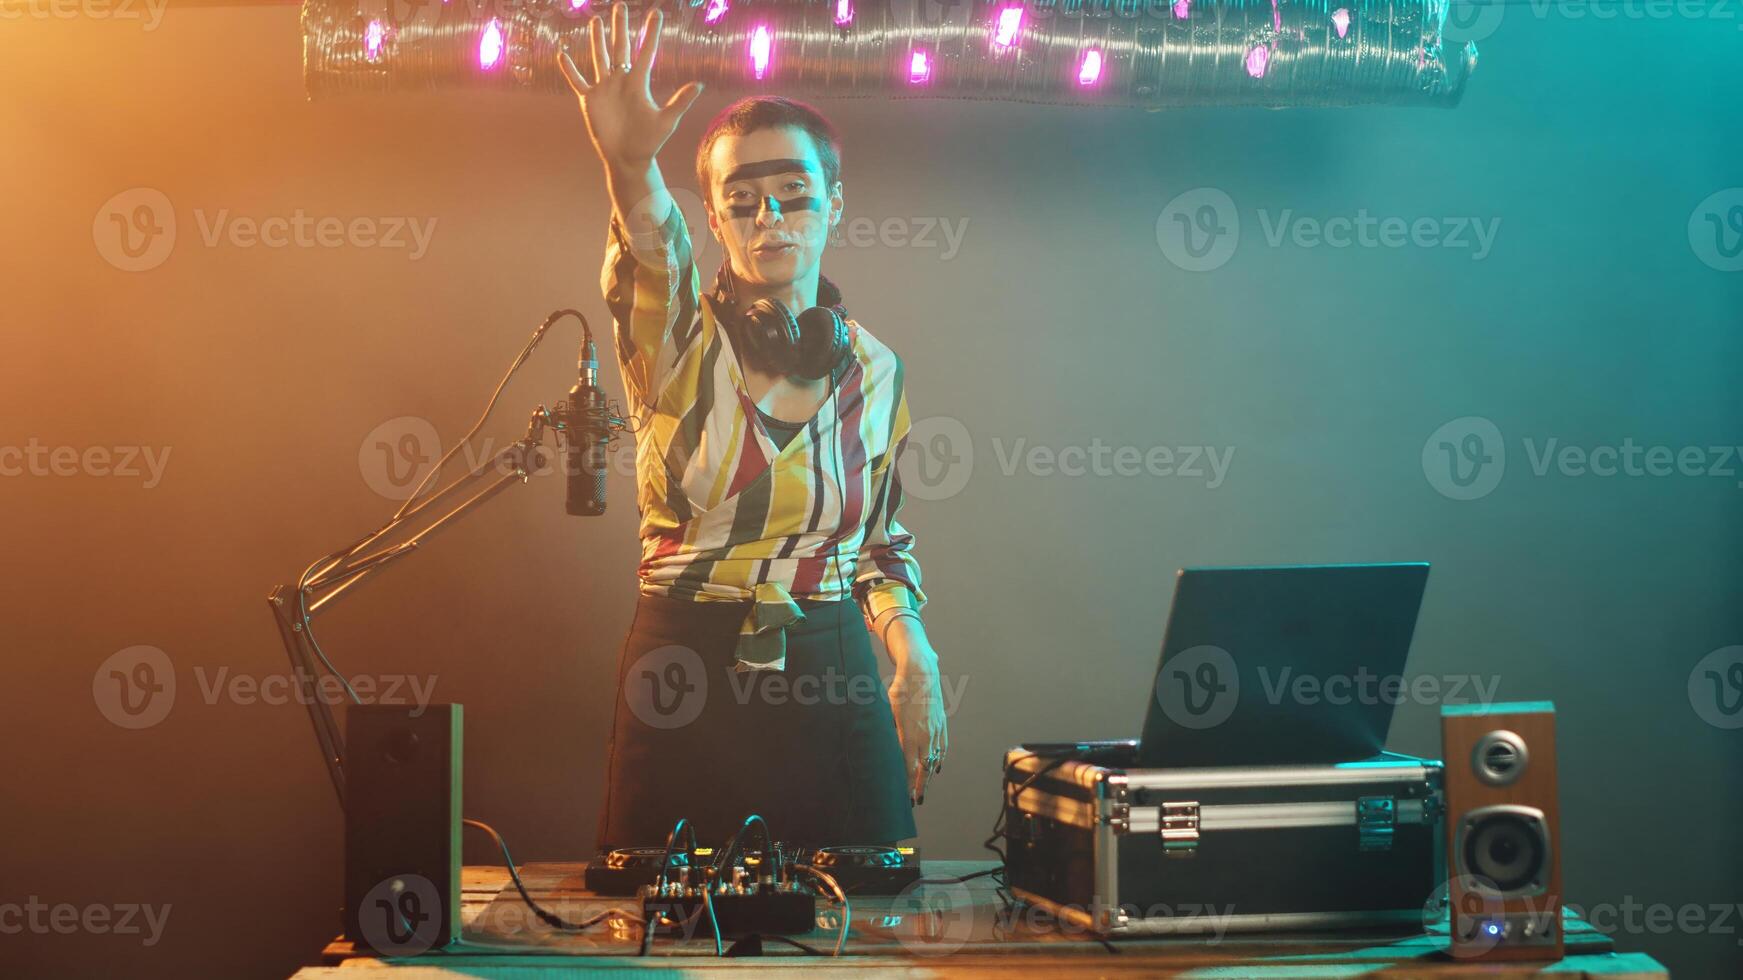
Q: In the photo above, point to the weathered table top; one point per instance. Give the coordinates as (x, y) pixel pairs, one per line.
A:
(959, 930)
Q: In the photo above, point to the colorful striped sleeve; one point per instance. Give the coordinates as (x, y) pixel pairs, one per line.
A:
(652, 294)
(887, 575)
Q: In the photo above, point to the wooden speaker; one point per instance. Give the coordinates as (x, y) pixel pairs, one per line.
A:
(402, 826)
(1503, 841)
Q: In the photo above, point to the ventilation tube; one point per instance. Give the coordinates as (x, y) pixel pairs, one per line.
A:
(1152, 54)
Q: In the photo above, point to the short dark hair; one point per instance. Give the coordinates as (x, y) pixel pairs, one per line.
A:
(769, 112)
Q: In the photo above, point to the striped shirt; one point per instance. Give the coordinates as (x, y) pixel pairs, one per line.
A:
(726, 513)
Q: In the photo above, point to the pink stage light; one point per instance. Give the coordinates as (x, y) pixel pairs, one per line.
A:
(715, 10)
(1010, 22)
(1182, 9)
(843, 12)
(1258, 59)
(374, 36)
(490, 45)
(1089, 69)
(1340, 19)
(919, 68)
(762, 45)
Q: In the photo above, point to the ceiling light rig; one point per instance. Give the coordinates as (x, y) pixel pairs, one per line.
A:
(1146, 53)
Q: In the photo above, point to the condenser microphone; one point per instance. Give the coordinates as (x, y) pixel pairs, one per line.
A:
(586, 426)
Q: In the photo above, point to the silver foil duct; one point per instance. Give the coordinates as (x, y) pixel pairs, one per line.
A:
(1154, 53)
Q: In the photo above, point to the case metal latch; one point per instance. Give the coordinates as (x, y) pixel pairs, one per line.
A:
(1178, 825)
(1376, 820)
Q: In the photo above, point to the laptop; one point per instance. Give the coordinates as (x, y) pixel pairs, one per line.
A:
(1281, 665)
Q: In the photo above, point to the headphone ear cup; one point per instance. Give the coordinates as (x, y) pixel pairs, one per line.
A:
(774, 333)
(823, 341)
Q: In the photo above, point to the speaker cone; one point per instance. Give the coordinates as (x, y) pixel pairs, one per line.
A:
(1506, 847)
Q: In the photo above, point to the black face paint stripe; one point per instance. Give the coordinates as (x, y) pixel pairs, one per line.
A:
(776, 205)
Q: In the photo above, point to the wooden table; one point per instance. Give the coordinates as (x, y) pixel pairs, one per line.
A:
(971, 938)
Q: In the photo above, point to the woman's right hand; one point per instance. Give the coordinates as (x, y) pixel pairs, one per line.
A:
(627, 126)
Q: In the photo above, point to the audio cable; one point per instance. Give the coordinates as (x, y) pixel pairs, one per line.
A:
(549, 918)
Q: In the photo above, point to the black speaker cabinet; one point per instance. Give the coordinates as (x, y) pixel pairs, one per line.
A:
(402, 826)
(1503, 831)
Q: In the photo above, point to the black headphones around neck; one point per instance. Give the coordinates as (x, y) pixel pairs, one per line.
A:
(812, 345)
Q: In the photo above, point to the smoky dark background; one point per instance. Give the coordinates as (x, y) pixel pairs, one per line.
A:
(281, 380)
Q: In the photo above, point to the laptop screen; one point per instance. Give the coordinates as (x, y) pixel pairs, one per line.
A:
(1281, 665)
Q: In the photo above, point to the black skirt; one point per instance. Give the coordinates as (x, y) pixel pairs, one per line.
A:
(811, 748)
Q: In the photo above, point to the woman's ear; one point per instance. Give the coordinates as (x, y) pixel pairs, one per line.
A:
(836, 205)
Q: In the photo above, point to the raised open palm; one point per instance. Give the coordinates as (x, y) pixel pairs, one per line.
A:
(627, 126)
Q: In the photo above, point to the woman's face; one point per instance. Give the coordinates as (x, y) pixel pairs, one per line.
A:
(768, 204)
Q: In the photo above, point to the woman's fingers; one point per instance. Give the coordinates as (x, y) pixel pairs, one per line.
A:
(577, 83)
(619, 36)
(644, 55)
(681, 100)
(596, 41)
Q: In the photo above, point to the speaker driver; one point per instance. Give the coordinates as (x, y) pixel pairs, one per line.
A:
(1499, 758)
(1507, 847)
